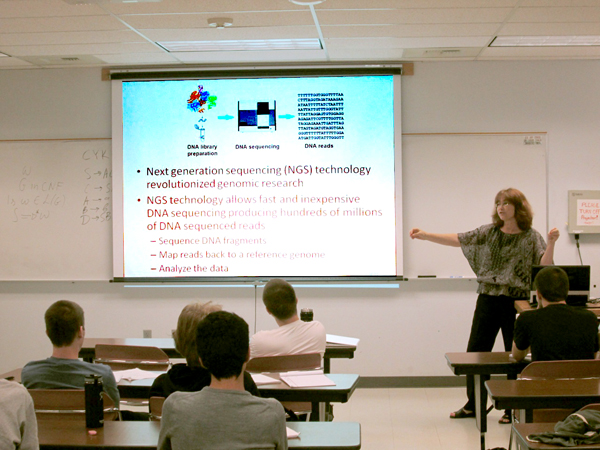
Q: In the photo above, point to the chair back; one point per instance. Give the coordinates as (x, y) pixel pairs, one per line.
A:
(68, 404)
(123, 357)
(554, 370)
(565, 369)
(284, 363)
(156, 406)
(595, 406)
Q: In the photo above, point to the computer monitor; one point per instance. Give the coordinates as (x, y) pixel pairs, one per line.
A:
(579, 284)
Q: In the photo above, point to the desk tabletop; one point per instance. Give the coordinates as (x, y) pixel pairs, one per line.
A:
(345, 384)
(523, 306)
(484, 363)
(65, 434)
(539, 394)
(522, 430)
(326, 435)
(13, 375)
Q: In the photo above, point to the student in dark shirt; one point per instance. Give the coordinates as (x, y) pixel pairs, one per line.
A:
(190, 377)
(555, 331)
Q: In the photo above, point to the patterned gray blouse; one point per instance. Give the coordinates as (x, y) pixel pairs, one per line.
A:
(502, 262)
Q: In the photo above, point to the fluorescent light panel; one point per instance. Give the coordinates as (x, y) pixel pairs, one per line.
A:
(241, 45)
(545, 41)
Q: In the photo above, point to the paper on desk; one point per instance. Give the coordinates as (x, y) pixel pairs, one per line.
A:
(292, 434)
(313, 378)
(334, 339)
(261, 379)
(134, 374)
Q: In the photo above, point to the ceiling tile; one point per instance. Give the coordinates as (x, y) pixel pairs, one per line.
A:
(550, 29)
(78, 49)
(556, 15)
(81, 37)
(204, 34)
(414, 16)
(540, 52)
(420, 30)
(406, 42)
(57, 24)
(200, 20)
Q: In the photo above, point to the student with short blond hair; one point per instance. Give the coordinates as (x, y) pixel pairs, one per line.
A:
(190, 377)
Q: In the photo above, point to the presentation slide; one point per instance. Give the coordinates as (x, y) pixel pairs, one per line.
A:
(259, 177)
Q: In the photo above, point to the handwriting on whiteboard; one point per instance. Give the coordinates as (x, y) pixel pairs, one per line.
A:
(37, 196)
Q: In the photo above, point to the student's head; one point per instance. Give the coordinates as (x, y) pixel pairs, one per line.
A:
(523, 211)
(63, 319)
(223, 340)
(552, 284)
(187, 324)
(280, 299)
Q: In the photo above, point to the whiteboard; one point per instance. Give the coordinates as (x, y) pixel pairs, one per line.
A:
(55, 211)
(449, 185)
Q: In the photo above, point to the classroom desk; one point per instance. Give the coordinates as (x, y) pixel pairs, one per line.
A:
(481, 365)
(523, 306)
(54, 434)
(88, 350)
(13, 375)
(528, 395)
(345, 384)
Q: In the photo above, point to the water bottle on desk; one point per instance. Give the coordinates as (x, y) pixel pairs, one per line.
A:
(94, 403)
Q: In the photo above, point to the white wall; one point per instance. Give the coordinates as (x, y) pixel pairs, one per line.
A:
(405, 331)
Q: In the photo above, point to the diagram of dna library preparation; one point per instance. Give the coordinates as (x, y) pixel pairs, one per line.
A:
(58, 211)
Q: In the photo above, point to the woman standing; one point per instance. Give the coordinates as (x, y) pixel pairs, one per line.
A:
(501, 255)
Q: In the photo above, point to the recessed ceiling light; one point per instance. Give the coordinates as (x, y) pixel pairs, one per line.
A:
(241, 45)
(545, 41)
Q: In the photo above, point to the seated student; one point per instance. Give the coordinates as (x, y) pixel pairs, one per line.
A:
(190, 377)
(63, 370)
(293, 335)
(18, 425)
(222, 416)
(555, 331)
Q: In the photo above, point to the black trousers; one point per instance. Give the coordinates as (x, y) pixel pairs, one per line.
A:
(492, 314)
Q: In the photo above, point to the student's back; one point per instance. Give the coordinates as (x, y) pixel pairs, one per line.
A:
(217, 419)
(558, 332)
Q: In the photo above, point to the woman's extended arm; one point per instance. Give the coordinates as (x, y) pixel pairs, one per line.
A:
(548, 256)
(443, 239)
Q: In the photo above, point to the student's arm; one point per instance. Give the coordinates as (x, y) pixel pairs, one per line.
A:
(521, 336)
(164, 437)
(519, 355)
(548, 256)
(281, 433)
(111, 389)
(450, 239)
(29, 430)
